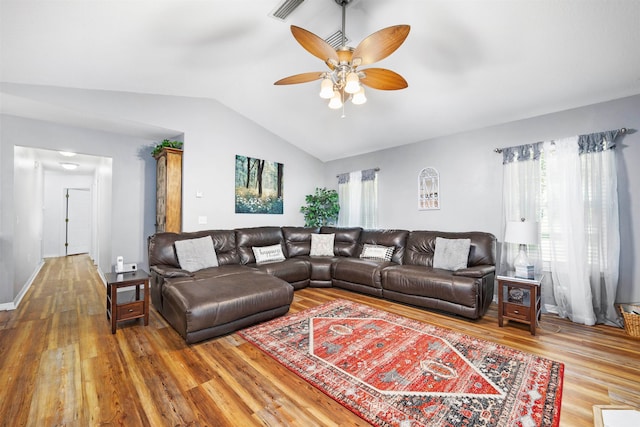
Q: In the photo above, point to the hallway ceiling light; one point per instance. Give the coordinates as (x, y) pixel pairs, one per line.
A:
(69, 166)
(67, 153)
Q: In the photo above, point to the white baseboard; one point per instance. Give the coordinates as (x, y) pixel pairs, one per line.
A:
(16, 302)
(101, 274)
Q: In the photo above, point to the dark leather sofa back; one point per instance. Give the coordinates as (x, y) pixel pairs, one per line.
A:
(346, 240)
(162, 250)
(247, 238)
(298, 240)
(396, 238)
(421, 246)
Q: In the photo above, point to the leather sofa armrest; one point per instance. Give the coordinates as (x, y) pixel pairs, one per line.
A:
(167, 271)
(476, 271)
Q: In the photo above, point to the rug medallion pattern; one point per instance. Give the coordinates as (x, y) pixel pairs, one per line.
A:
(394, 371)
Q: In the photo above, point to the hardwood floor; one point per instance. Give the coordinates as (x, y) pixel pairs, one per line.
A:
(60, 364)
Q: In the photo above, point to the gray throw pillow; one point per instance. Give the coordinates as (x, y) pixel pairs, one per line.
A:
(451, 254)
(196, 254)
(322, 244)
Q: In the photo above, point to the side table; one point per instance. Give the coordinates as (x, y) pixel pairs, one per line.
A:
(130, 310)
(519, 299)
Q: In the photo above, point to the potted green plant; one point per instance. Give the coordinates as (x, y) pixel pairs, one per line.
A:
(166, 144)
(322, 208)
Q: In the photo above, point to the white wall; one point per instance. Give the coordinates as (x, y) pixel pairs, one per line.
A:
(471, 176)
(104, 208)
(27, 233)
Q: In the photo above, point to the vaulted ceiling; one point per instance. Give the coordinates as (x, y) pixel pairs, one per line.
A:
(469, 63)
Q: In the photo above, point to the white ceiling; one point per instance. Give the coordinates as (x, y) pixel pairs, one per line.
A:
(469, 63)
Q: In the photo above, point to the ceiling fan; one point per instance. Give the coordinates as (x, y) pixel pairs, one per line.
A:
(344, 78)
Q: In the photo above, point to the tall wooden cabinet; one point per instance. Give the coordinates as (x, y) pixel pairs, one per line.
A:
(169, 190)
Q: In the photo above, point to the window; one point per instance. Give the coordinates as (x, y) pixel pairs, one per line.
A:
(358, 196)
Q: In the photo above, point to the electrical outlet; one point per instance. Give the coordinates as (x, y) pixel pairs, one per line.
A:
(202, 220)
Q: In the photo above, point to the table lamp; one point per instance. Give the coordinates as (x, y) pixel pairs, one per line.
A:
(523, 233)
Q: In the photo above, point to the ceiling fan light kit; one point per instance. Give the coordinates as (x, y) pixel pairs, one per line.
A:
(345, 81)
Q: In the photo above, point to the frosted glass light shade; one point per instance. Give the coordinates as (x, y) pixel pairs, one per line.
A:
(353, 83)
(336, 101)
(359, 97)
(326, 88)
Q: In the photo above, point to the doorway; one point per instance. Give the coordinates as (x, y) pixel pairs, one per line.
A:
(77, 220)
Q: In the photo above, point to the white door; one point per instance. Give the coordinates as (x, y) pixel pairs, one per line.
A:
(78, 221)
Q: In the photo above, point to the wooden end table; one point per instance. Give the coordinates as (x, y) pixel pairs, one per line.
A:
(519, 299)
(129, 310)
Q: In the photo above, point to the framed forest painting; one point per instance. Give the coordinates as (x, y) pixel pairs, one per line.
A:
(258, 186)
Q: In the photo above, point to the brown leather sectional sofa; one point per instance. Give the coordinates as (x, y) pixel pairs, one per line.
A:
(219, 300)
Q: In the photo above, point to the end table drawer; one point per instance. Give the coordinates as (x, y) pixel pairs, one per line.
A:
(516, 311)
(130, 310)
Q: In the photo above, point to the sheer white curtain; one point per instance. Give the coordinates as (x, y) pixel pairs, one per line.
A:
(568, 246)
(358, 198)
(600, 185)
(521, 194)
(572, 192)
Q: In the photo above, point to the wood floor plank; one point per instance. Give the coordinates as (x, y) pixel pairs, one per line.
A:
(60, 364)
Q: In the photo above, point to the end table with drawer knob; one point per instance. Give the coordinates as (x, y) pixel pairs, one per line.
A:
(139, 308)
(519, 299)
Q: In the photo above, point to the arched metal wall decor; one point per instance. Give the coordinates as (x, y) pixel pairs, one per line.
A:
(428, 189)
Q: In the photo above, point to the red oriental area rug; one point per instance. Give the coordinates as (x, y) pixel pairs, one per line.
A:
(394, 371)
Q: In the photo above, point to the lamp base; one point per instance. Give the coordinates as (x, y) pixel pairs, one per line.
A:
(524, 269)
(525, 272)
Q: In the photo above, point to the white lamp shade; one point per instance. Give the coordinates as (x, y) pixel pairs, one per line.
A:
(359, 97)
(326, 88)
(521, 232)
(336, 101)
(353, 83)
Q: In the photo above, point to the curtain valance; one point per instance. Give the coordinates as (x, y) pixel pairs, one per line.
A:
(589, 143)
(366, 175)
(596, 142)
(521, 153)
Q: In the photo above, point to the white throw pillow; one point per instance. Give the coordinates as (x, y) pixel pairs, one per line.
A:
(196, 254)
(377, 252)
(451, 254)
(266, 254)
(322, 244)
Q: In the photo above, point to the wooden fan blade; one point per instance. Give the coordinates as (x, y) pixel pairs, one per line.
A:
(380, 78)
(380, 44)
(300, 78)
(314, 44)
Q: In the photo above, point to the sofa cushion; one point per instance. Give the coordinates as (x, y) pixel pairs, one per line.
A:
(431, 283)
(293, 270)
(451, 254)
(202, 304)
(346, 240)
(359, 271)
(379, 252)
(267, 254)
(322, 244)
(247, 238)
(196, 254)
(162, 250)
(421, 247)
(298, 240)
